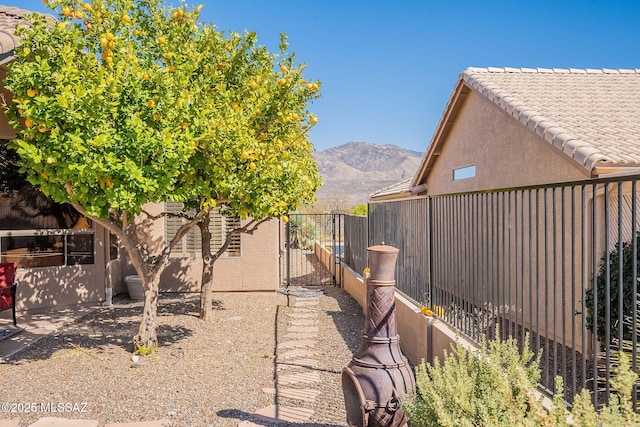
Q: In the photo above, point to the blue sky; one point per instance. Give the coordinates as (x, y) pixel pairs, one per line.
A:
(388, 67)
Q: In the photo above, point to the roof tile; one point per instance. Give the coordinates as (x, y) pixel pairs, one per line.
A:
(590, 114)
(10, 18)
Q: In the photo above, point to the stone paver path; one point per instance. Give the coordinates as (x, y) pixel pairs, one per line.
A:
(294, 367)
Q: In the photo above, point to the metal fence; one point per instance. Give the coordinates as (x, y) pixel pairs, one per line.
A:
(356, 236)
(304, 236)
(542, 263)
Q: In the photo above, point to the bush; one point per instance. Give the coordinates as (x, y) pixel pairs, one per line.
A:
(304, 231)
(629, 299)
(496, 386)
(360, 210)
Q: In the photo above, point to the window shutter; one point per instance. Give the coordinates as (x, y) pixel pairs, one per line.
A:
(189, 245)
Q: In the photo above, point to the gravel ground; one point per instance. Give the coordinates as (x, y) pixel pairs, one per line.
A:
(204, 373)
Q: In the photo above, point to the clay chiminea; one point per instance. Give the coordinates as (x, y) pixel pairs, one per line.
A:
(378, 375)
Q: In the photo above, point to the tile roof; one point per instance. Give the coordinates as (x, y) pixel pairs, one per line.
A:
(10, 17)
(591, 115)
(396, 189)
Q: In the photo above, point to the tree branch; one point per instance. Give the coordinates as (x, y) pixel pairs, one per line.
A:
(249, 228)
(183, 215)
(184, 229)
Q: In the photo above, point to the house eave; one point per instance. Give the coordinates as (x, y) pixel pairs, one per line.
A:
(460, 92)
(614, 171)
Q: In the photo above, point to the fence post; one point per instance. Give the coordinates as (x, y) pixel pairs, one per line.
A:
(287, 246)
(332, 263)
(430, 234)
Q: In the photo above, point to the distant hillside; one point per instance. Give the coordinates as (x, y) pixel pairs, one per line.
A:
(351, 172)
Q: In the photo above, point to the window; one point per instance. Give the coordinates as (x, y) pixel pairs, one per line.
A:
(464, 173)
(35, 231)
(189, 245)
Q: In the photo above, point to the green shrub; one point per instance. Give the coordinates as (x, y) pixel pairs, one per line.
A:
(627, 291)
(496, 386)
(304, 231)
(360, 210)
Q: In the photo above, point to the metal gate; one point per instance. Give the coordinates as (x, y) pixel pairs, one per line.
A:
(313, 245)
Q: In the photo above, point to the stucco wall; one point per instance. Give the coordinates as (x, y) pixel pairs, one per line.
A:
(328, 259)
(257, 268)
(421, 337)
(354, 285)
(40, 289)
(505, 153)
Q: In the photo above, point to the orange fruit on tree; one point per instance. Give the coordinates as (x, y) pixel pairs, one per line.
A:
(252, 166)
(162, 40)
(42, 128)
(282, 82)
(235, 106)
(151, 103)
(66, 11)
(109, 36)
(32, 92)
(28, 122)
(86, 6)
(253, 85)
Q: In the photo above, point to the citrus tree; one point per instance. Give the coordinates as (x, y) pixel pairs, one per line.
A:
(254, 159)
(100, 106)
(126, 102)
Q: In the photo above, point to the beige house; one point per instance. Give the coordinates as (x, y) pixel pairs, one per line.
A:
(505, 128)
(510, 127)
(64, 260)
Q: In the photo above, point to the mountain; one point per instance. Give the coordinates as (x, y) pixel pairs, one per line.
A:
(351, 172)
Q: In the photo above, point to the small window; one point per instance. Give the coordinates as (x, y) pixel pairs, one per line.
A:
(464, 173)
(189, 245)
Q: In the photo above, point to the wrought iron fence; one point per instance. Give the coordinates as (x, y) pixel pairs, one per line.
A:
(355, 242)
(542, 263)
(405, 225)
(306, 235)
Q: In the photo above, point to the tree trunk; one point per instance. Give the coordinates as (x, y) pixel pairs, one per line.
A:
(206, 287)
(147, 337)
